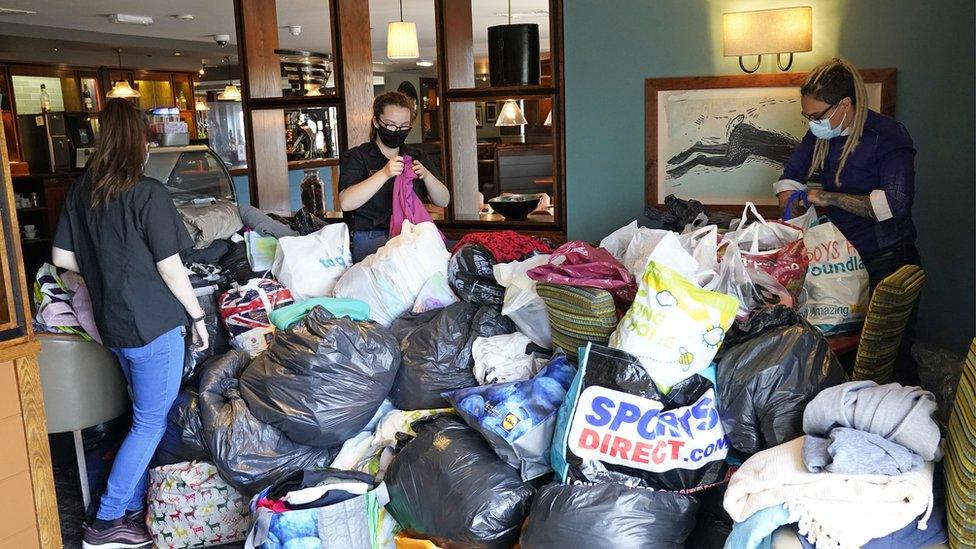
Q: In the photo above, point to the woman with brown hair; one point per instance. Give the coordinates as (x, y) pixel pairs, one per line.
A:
(121, 231)
(367, 172)
(864, 163)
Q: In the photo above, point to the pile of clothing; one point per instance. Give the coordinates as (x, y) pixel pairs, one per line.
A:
(861, 476)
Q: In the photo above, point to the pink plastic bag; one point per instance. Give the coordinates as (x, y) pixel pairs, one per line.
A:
(406, 204)
(579, 264)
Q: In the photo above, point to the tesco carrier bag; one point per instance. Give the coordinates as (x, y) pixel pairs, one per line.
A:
(837, 281)
(311, 265)
(615, 426)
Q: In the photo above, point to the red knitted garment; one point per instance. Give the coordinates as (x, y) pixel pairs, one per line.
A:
(505, 246)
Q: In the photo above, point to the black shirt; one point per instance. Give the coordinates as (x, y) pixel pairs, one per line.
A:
(117, 248)
(360, 162)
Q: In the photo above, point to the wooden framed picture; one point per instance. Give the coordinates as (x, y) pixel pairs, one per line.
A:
(724, 140)
(491, 112)
(479, 114)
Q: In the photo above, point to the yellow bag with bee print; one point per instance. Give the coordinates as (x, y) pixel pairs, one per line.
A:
(674, 327)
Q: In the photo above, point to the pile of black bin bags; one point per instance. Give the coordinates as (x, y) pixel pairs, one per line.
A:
(322, 380)
(289, 409)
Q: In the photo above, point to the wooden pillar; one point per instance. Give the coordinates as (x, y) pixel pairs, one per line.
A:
(355, 68)
(257, 34)
(461, 132)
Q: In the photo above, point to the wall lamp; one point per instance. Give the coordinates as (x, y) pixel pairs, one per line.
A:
(779, 31)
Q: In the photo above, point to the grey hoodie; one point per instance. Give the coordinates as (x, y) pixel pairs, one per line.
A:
(900, 414)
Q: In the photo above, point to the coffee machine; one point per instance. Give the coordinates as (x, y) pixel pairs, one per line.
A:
(82, 130)
(45, 142)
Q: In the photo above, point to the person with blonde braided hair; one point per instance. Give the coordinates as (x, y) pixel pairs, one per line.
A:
(863, 165)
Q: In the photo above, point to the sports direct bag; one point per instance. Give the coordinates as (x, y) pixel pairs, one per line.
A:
(615, 426)
(311, 265)
(674, 327)
(837, 282)
(191, 506)
(517, 418)
(245, 311)
(774, 247)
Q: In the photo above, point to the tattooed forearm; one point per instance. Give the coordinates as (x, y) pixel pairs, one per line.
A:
(857, 205)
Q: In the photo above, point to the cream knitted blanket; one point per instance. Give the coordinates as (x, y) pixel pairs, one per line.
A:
(834, 511)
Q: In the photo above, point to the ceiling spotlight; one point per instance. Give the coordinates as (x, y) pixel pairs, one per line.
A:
(294, 30)
(184, 16)
(55, 49)
(177, 54)
(425, 63)
(130, 19)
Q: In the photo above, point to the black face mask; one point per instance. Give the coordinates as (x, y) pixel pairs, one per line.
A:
(392, 138)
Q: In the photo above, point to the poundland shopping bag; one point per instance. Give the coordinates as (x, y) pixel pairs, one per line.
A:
(615, 426)
(837, 282)
(311, 265)
(674, 327)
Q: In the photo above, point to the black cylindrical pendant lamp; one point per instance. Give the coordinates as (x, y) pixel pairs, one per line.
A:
(513, 54)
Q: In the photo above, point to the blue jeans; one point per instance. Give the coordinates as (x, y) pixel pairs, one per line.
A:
(154, 374)
(366, 243)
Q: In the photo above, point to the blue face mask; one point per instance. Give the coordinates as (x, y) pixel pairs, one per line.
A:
(821, 128)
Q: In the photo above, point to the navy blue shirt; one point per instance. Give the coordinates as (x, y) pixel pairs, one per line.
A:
(884, 159)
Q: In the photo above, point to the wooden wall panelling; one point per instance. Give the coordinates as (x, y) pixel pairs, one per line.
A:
(558, 105)
(268, 160)
(354, 68)
(456, 37)
(257, 37)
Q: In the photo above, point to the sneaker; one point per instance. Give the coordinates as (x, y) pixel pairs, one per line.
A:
(123, 534)
(137, 517)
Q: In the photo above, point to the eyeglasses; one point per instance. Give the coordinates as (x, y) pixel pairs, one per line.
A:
(819, 115)
(392, 127)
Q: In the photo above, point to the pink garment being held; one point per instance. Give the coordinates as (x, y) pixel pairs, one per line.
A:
(406, 203)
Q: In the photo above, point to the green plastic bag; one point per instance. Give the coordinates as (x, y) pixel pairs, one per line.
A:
(287, 316)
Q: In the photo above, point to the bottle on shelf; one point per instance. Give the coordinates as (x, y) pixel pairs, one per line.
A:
(313, 195)
(181, 101)
(320, 140)
(45, 99)
(86, 99)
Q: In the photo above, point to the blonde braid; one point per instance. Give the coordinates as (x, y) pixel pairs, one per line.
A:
(860, 115)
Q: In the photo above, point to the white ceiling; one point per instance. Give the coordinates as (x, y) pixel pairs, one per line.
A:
(217, 17)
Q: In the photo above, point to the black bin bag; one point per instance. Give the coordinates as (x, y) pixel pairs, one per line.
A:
(447, 485)
(436, 350)
(183, 438)
(249, 454)
(470, 272)
(767, 377)
(615, 426)
(605, 516)
(322, 380)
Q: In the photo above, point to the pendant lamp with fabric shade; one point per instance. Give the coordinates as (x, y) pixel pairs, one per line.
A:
(511, 115)
(122, 89)
(230, 93)
(513, 53)
(401, 39)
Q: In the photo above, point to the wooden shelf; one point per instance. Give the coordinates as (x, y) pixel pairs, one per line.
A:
(32, 210)
(35, 241)
(312, 163)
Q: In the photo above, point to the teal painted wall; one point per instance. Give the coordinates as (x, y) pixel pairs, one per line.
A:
(611, 47)
(295, 178)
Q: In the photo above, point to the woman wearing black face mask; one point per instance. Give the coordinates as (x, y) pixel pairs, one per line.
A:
(367, 172)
